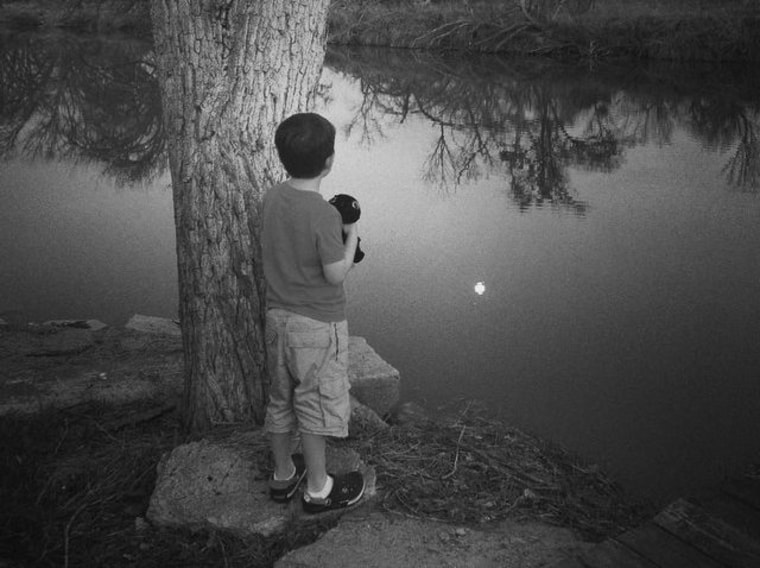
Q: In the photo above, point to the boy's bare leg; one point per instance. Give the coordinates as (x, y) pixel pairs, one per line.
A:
(316, 466)
(281, 451)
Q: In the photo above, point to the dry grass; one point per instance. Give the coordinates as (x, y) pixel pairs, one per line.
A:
(673, 29)
(76, 485)
(665, 29)
(476, 470)
(671, 9)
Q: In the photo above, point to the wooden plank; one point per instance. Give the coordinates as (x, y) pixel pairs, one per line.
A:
(746, 489)
(612, 553)
(714, 537)
(665, 549)
(731, 510)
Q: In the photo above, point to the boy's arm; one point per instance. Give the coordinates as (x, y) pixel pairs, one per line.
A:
(336, 272)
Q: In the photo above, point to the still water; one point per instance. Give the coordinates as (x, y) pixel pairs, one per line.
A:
(576, 248)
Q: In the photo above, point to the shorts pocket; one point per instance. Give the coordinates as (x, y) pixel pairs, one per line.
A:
(334, 401)
(308, 353)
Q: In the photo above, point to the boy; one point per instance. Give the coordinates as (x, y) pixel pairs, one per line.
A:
(305, 262)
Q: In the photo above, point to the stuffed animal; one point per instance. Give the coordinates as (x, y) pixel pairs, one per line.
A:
(349, 210)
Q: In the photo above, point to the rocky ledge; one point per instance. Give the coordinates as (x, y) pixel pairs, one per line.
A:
(220, 481)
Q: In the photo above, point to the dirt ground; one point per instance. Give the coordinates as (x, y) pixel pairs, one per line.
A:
(55, 366)
(85, 416)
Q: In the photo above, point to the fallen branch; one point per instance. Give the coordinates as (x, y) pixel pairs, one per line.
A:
(456, 457)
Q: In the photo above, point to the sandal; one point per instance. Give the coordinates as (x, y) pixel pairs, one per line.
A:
(347, 490)
(283, 491)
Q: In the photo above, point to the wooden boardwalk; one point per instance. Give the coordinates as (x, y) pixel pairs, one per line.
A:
(718, 529)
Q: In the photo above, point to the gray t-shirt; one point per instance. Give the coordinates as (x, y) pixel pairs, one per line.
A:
(300, 233)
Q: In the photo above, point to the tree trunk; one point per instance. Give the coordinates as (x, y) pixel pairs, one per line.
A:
(229, 71)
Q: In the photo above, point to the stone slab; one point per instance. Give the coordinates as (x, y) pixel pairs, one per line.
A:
(222, 484)
(92, 324)
(152, 324)
(67, 341)
(380, 540)
(374, 382)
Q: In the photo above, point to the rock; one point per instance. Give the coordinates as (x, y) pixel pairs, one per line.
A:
(13, 317)
(94, 367)
(63, 341)
(222, 484)
(141, 525)
(407, 413)
(215, 485)
(376, 540)
(374, 382)
(92, 324)
(364, 420)
(152, 324)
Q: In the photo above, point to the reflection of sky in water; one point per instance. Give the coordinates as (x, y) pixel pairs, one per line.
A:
(629, 333)
(75, 246)
(613, 333)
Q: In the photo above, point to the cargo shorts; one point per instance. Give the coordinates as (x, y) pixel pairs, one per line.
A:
(307, 362)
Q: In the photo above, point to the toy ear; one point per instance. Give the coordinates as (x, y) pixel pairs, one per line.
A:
(347, 206)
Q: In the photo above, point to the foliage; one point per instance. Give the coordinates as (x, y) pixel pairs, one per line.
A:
(108, 16)
(581, 29)
(83, 99)
(504, 117)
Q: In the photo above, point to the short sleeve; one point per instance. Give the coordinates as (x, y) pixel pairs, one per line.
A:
(329, 235)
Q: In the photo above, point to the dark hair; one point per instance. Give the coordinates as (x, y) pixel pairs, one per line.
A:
(304, 143)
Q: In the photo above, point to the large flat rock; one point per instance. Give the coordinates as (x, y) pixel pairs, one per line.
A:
(379, 540)
(222, 484)
(57, 367)
(374, 382)
(152, 324)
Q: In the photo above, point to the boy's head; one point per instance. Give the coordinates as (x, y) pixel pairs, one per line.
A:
(305, 142)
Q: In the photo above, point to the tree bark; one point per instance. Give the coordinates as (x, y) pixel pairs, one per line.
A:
(229, 71)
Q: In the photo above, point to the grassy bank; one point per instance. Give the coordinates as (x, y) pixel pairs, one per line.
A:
(659, 29)
(75, 482)
(76, 485)
(89, 16)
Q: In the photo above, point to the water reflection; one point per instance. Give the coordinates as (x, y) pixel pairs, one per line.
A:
(528, 121)
(80, 100)
(532, 121)
(585, 330)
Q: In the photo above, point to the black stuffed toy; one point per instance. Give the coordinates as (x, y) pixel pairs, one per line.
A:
(349, 210)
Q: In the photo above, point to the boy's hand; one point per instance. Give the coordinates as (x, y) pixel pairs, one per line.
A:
(350, 228)
(336, 272)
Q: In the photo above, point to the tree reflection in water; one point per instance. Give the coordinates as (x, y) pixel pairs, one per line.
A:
(531, 121)
(82, 99)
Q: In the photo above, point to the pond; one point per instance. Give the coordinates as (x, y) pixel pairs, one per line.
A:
(573, 247)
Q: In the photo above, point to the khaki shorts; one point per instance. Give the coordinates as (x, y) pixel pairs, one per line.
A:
(308, 368)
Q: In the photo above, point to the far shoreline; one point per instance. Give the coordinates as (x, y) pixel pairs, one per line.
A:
(729, 32)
